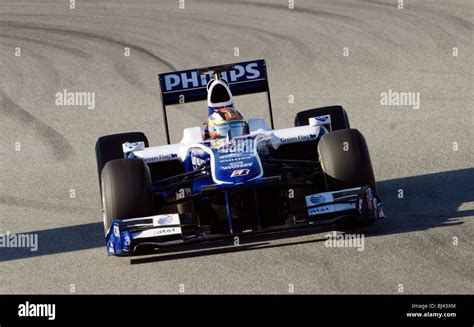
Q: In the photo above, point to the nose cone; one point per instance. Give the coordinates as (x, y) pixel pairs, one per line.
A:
(235, 167)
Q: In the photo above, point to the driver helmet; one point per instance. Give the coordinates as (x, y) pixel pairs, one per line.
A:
(226, 121)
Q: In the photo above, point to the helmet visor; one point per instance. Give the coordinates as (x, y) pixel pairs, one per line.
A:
(237, 128)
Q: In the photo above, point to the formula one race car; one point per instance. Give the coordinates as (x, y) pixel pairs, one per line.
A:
(232, 176)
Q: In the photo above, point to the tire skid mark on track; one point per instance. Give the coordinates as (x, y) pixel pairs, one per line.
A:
(87, 35)
(351, 25)
(70, 50)
(29, 203)
(60, 146)
(299, 45)
(129, 75)
(469, 26)
(309, 11)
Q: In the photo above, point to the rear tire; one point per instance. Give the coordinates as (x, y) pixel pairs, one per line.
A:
(339, 119)
(126, 190)
(109, 147)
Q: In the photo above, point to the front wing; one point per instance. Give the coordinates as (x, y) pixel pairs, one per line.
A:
(125, 236)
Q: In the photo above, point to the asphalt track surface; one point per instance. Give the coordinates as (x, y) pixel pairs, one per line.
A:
(407, 50)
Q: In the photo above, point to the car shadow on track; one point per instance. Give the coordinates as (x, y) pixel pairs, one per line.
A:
(411, 204)
(60, 240)
(250, 243)
(429, 201)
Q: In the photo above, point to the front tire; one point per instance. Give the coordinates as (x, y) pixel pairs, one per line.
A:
(346, 163)
(345, 160)
(126, 190)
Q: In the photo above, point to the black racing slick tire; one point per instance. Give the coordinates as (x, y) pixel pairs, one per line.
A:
(345, 160)
(109, 147)
(339, 119)
(126, 190)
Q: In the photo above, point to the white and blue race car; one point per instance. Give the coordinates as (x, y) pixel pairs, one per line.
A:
(233, 176)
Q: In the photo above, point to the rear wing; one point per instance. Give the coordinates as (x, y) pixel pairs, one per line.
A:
(187, 86)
